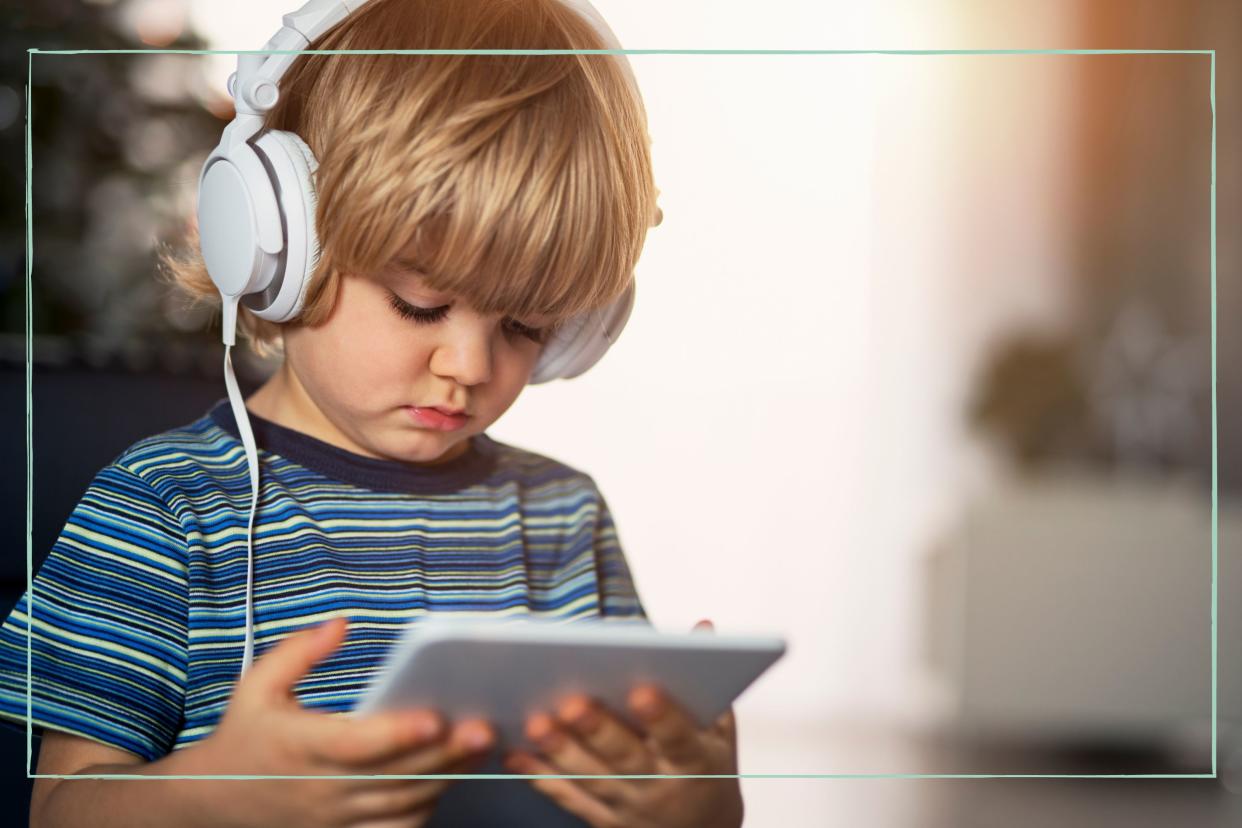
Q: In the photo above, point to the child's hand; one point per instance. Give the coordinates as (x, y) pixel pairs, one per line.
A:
(265, 731)
(585, 738)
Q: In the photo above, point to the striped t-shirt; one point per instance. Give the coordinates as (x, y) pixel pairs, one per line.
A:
(138, 614)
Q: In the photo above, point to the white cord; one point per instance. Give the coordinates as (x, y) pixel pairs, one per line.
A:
(242, 418)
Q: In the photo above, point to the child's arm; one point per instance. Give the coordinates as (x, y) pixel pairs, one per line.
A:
(62, 753)
(265, 732)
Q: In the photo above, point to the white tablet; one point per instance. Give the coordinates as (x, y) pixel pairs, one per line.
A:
(505, 671)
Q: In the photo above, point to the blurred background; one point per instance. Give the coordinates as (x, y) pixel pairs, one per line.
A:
(933, 332)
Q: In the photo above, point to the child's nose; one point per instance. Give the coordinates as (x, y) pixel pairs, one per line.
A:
(465, 356)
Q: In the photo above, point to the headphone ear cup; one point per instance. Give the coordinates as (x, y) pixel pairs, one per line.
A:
(239, 223)
(292, 166)
(310, 196)
(583, 340)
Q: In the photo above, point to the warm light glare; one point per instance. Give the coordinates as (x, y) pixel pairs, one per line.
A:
(157, 23)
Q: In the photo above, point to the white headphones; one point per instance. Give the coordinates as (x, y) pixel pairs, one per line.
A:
(256, 222)
(256, 203)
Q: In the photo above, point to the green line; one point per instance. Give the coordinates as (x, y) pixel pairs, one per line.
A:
(646, 776)
(30, 250)
(29, 420)
(623, 51)
(1215, 516)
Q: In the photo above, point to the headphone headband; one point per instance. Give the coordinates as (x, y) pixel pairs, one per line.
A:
(254, 86)
(257, 196)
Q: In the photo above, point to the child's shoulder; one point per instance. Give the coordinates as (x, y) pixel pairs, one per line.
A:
(532, 467)
(198, 446)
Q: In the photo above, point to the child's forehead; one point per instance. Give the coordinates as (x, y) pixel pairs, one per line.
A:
(527, 258)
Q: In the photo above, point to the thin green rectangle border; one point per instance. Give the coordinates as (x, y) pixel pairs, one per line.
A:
(30, 416)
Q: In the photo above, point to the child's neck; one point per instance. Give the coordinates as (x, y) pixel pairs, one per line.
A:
(283, 401)
(270, 401)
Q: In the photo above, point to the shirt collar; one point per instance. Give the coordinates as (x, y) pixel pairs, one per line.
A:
(470, 467)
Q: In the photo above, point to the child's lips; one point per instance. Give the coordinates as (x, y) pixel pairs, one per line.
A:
(441, 419)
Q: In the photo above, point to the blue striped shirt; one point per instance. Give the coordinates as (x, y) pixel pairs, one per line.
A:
(137, 620)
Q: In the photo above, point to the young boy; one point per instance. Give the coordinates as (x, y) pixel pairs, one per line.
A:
(467, 205)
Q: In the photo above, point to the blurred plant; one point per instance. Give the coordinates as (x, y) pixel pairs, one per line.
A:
(117, 143)
(1032, 399)
(1133, 397)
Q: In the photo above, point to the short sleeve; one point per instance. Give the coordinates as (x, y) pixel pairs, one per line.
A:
(102, 631)
(618, 595)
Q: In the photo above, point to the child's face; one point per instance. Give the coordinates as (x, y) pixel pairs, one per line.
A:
(356, 377)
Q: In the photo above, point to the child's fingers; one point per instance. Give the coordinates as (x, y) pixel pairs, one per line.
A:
(605, 735)
(344, 741)
(563, 751)
(561, 747)
(272, 677)
(674, 734)
(570, 794)
(467, 741)
(396, 800)
(726, 726)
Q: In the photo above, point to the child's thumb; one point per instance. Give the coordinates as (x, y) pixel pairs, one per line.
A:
(272, 677)
(705, 624)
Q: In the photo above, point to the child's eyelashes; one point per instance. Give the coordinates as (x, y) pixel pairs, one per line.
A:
(431, 315)
(407, 311)
(534, 334)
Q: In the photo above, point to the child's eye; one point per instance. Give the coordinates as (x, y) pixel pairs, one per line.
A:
(407, 311)
(534, 334)
(427, 315)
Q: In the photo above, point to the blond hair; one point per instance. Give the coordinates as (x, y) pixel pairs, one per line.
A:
(522, 182)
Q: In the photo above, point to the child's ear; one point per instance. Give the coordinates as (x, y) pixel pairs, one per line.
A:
(659, 216)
